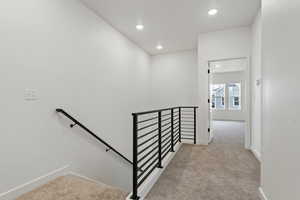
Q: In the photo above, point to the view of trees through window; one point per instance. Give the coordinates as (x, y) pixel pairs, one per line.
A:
(218, 93)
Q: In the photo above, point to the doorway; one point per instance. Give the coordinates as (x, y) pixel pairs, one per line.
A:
(229, 96)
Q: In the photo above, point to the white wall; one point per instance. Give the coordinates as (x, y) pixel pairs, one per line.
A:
(76, 61)
(256, 108)
(227, 78)
(281, 121)
(225, 44)
(174, 79)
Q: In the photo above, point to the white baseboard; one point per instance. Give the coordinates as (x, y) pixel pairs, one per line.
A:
(91, 179)
(262, 195)
(187, 142)
(84, 177)
(30, 185)
(201, 142)
(256, 154)
(145, 188)
(192, 142)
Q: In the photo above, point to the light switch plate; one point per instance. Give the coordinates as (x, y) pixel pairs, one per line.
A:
(30, 95)
(258, 82)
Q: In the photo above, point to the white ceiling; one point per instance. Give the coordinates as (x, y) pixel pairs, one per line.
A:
(173, 23)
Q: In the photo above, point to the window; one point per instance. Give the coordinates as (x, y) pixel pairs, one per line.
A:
(234, 96)
(217, 92)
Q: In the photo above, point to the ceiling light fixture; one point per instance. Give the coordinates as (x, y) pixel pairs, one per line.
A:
(159, 47)
(212, 11)
(139, 27)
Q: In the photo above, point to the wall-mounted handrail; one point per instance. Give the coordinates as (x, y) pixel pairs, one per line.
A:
(76, 122)
(155, 134)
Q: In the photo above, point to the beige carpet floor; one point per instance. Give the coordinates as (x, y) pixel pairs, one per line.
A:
(74, 188)
(224, 170)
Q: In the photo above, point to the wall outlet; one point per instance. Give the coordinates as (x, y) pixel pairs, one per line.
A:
(30, 95)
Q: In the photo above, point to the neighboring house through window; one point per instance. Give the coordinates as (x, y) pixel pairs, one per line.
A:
(218, 93)
(234, 95)
(217, 96)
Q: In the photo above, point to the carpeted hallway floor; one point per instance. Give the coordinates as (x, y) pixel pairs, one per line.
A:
(224, 170)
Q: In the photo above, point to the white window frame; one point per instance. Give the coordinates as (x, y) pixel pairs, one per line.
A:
(240, 100)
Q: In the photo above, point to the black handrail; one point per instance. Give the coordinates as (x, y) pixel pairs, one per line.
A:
(59, 110)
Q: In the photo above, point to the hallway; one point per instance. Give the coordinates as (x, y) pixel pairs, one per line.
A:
(224, 170)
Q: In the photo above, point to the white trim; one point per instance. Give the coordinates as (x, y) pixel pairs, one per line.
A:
(248, 88)
(199, 142)
(229, 120)
(228, 59)
(30, 185)
(256, 154)
(92, 180)
(211, 135)
(85, 177)
(209, 115)
(262, 195)
(148, 184)
(184, 141)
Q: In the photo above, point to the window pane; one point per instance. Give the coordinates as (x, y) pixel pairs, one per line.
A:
(234, 95)
(217, 92)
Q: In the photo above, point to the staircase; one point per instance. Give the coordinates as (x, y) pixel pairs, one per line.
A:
(74, 188)
(155, 135)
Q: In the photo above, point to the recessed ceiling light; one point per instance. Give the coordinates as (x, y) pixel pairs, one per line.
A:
(213, 11)
(159, 47)
(139, 27)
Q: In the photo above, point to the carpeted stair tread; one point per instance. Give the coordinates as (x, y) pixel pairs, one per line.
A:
(74, 188)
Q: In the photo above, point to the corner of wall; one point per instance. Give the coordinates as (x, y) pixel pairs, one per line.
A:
(32, 184)
(256, 153)
(262, 195)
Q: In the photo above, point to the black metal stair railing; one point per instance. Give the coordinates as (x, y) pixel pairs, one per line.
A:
(77, 123)
(155, 135)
